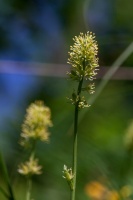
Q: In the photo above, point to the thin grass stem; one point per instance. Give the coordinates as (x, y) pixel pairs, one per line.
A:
(29, 186)
(75, 143)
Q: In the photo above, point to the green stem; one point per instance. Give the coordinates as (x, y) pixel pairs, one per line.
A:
(29, 186)
(75, 138)
(75, 153)
(29, 180)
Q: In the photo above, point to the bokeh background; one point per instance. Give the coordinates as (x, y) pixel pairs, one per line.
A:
(35, 36)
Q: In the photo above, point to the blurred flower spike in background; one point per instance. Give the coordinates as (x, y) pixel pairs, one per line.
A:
(30, 168)
(36, 123)
(35, 127)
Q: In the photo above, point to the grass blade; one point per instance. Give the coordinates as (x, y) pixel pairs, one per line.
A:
(7, 179)
(4, 193)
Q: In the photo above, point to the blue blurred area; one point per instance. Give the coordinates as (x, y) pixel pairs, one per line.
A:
(13, 92)
(29, 30)
(99, 16)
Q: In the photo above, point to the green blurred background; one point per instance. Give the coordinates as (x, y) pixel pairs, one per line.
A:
(35, 36)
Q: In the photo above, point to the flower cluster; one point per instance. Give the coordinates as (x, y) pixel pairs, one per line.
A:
(68, 175)
(89, 88)
(83, 58)
(30, 168)
(84, 63)
(36, 123)
(82, 103)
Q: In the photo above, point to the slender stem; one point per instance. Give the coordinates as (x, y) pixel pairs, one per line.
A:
(29, 180)
(29, 186)
(75, 137)
(75, 153)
